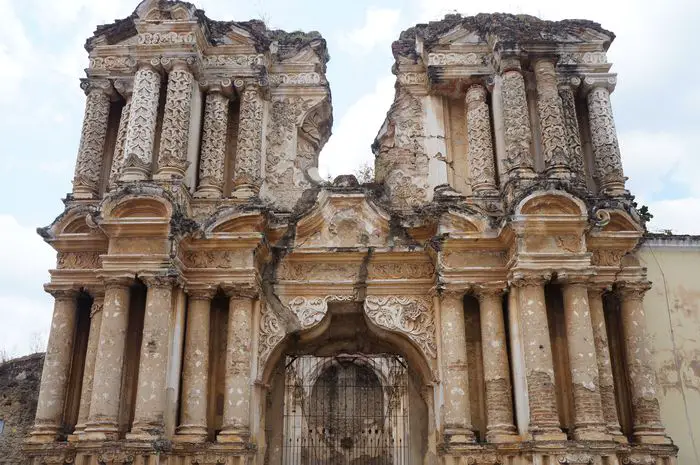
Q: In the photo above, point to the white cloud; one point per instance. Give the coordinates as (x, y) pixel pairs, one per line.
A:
(679, 215)
(380, 28)
(24, 308)
(349, 146)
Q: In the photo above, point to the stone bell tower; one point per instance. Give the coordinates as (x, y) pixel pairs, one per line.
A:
(216, 302)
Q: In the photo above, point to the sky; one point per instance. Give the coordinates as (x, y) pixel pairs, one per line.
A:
(42, 57)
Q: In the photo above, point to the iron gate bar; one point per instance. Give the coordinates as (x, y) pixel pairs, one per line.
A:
(348, 409)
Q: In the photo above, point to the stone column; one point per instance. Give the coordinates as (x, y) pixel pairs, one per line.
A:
(457, 419)
(141, 129)
(125, 88)
(88, 168)
(236, 422)
(499, 397)
(212, 159)
(567, 88)
(589, 424)
(174, 135)
(149, 420)
(482, 171)
(539, 365)
(606, 382)
(606, 150)
(646, 421)
(90, 358)
(103, 419)
(195, 371)
(518, 162)
(549, 106)
(56, 371)
(248, 164)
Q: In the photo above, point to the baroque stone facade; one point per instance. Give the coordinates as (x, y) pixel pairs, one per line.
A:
(485, 289)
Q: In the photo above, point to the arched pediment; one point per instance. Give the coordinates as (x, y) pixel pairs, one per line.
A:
(343, 221)
(240, 223)
(140, 208)
(621, 222)
(457, 224)
(551, 203)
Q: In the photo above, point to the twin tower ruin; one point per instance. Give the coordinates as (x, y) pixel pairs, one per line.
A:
(217, 302)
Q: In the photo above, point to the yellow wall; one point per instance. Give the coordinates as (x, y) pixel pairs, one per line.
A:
(673, 315)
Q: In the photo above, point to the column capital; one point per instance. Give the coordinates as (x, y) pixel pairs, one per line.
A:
(159, 280)
(453, 292)
(476, 92)
(125, 87)
(529, 279)
(632, 290)
(153, 63)
(111, 282)
(241, 291)
(89, 85)
(96, 291)
(249, 84)
(201, 293)
(598, 287)
(606, 81)
(568, 82)
(578, 278)
(508, 60)
(61, 292)
(213, 84)
(185, 63)
(486, 290)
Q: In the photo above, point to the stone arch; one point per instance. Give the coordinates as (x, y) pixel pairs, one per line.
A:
(621, 221)
(140, 208)
(235, 222)
(551, 203)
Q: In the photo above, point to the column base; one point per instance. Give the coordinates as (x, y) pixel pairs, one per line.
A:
(43, 434)
(84, 194)
(547, 434)
(456, 436)
(208, 192)
(233, 436)
(169, 173)
(591, 433)
(100, 431)
(190, 434)
(145, 432)
(651, 437)
(244, 192)
(502, 434)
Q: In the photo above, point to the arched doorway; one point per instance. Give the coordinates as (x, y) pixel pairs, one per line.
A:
(346, 396)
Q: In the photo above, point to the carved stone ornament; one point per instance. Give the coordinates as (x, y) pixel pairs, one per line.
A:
(295, 79)
(311, 310)
(140, 135)
(606, 150)
(639, 460)
(411, 316)
(607, 257)
(118, 157)
(571, 126)
(408, 79)
(480, 147)
(61, 459)
(249, 146)
(549, 106)
(452, 59)
(208, 459)
(213, 151)
(518, 134)
(401, 270)
(233, 61)
(115, 458)
(215, 259)
(575, 459)
(112, 63)
(174, 138)
(79, 260)
(166, 38)
(405, 191)
(302, 271)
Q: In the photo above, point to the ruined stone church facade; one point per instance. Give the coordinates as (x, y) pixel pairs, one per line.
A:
(217, 302)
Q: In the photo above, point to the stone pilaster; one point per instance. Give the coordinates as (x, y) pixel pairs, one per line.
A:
(125, 88)
(456, 407)
(646, 416)
(606, 150)
(103, 419)
(150, 391)
(589, 424)
(499, 397)
(606, 382)
(567, 88)
(195, 371)
(88, 168)
(55, 375)
(213, 152)
(236, 422)
(174, 136)
(141, 129)
(549, 106)
(482, 171)
(90, 358)
(539, 365)
(248, 164)
(518, 162)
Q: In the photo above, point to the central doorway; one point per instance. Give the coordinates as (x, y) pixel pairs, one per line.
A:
(346, 409)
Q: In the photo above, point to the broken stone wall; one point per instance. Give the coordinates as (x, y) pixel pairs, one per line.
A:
(19, 390)
(672, 309)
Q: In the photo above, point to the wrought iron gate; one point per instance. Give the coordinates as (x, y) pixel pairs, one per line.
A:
(349, 409)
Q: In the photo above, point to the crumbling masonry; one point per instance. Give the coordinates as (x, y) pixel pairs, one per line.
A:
(485, 291)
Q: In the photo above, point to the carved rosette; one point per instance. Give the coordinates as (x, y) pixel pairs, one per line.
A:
(213, 152)
(410, 316)
(92, 140)
(606, 150)
(518, 135)
(573, 137)
(141, 131)
(174, 137)
(247, 176)
(480, 145)
(549, 106)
